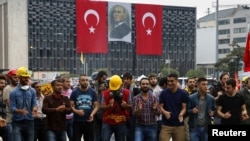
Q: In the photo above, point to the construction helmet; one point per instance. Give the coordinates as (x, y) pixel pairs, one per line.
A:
(24, 72)
(115, 82)
(11, 72)
(244, 78)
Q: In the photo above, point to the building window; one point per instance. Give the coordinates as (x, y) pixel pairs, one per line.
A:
(240, 39)
(224, 51)
(224, 41)
(240, 20)
(240, 30)
(224, 31)
(223, 22)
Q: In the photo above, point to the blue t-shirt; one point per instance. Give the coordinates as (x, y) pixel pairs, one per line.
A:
(173, 103)
(83, 100)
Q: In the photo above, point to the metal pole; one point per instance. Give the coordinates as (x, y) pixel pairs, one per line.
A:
(216, 36)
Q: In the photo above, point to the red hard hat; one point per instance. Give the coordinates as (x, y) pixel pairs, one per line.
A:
(11, 72)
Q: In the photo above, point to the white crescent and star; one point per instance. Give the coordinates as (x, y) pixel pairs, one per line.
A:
(148, 15)
(91, 12)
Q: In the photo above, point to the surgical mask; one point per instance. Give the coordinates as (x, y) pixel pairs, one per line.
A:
(26, 87)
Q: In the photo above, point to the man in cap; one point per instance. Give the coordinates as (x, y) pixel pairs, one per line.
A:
(13, 81)
(23, 107)
(115, 104)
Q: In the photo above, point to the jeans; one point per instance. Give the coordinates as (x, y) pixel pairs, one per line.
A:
(23, 130)
(55, 135)
(131, 128)
(9, 132)
(145, 132)
(70, 129)
(83, 128)
(199, 134)
(118, 130)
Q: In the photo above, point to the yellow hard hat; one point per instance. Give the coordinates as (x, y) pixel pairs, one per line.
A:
(24, 72)
(244, 78)
(115, 82)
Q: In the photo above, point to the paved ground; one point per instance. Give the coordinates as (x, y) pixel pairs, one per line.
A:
(112, 139)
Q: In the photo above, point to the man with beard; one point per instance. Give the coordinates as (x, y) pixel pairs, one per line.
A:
(13, 81)
(231, 105)
(40, 120)
(84, 105)
(156, 91)
(3, 129)
(145, 107)
(100, 86)
(217, 91)
(115, 104)
(23, 107)
(66, 91)
(56, 106)
(190, 89)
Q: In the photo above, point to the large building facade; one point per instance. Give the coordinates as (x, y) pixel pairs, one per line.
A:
(52, 42)
(233, 25)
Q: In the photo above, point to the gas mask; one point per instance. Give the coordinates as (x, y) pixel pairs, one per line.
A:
(26, 87)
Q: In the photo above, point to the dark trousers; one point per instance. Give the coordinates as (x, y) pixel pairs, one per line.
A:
(4, 133)
(83, 128)
(98, 128)
(39, 129)
(130, 129)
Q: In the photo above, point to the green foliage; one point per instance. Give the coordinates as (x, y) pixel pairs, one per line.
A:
(230, 63)
(195, 73)
(165, 71)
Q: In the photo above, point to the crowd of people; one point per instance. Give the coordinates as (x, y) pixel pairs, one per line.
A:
(157, 109)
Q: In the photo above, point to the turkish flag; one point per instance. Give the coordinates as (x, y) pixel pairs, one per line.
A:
(148, 29)
(91, 27)
(246, 58)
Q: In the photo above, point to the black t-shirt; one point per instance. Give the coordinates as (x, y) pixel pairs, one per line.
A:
(232, 104)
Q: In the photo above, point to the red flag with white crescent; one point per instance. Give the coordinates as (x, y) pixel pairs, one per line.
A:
(148, 29)
(91, 26)
(246, 58)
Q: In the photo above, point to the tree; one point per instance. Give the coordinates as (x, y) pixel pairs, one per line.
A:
(231, 62)
(195, 73)
(166, 71)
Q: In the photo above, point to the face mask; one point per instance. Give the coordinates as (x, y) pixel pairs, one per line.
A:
(26, 87)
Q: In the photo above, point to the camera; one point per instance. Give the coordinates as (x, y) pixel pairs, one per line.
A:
(117, 95)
